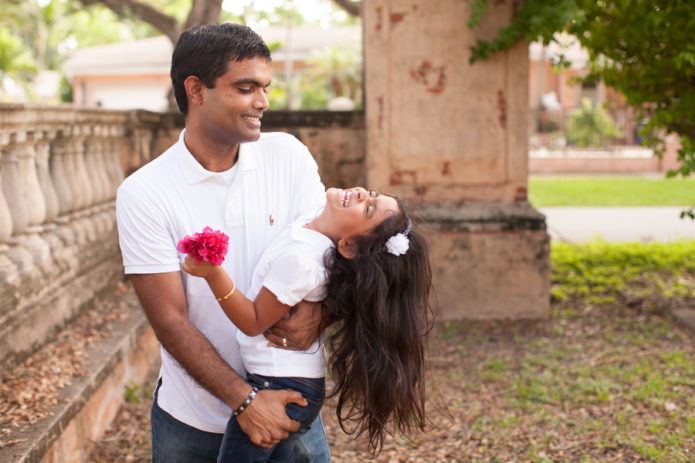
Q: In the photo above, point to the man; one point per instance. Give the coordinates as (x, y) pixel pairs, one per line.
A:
(224, 174)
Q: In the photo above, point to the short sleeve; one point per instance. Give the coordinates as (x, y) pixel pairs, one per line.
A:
(295, 277)
(146, 243)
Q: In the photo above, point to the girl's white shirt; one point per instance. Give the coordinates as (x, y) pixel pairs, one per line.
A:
(292, 268)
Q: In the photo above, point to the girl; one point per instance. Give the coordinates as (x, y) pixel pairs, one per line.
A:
(361, 257)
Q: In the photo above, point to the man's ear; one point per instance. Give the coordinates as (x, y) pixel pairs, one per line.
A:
(194, 90)
(347, 248)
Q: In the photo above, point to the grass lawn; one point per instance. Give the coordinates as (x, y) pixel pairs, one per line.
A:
(611, 191)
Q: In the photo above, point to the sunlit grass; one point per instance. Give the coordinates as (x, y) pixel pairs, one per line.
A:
(611, 191)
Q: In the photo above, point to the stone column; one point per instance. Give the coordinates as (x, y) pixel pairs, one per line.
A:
(452, 137)
(83, 187)
(8, 271)
(15, 178)
(59, 167)
(33, 198)
(91, 156)
(44, 176)
(50, 194)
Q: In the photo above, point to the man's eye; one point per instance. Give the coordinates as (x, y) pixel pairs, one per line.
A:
(244, 90)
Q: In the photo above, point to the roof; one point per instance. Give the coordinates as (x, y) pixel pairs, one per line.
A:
(153, 55)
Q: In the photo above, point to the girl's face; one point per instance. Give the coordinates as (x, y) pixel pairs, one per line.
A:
(356, 211)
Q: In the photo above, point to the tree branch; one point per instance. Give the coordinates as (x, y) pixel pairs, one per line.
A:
(351, 7)
(162, 22)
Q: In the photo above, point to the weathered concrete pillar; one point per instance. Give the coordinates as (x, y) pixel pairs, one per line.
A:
(453, 138)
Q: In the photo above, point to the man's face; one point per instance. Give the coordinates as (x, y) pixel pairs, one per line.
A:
(231, 112)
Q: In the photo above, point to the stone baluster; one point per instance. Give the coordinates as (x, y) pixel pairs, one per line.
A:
(60, 174)
(15, 193)
(117, 144)
(34, 198)
(101, 165)
(12, 184)
(105, 148)
(8, 270)
(98, 214)
(83, 185)
(50, 193)
(91, 156)
(44, 177)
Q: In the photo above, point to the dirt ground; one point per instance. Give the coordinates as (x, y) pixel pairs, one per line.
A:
(607, 385)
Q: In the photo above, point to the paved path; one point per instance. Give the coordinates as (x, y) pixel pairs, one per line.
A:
(618, 223)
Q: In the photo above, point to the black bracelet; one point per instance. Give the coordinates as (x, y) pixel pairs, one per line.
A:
(246, 402)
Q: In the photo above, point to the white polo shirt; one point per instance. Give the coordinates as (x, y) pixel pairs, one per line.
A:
(274, 183)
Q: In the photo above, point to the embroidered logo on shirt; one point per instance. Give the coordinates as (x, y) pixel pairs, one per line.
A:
(271, 220)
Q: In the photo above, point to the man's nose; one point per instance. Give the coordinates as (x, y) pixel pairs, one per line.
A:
(261, 101)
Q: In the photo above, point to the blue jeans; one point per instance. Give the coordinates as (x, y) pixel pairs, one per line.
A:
(236, 446)
(177, 442)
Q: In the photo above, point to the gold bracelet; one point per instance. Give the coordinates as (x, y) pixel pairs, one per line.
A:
(224, 298)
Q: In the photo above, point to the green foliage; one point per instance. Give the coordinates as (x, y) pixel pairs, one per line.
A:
(642, 49)
(15, 57)
(591, 127)
(132, 393)
(624, 272)
(535, 20)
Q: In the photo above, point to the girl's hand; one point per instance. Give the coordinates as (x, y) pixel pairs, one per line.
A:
(203, 269)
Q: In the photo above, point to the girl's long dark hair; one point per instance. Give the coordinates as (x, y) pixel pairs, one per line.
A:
(376, 349)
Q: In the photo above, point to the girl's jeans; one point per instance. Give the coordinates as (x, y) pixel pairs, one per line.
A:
(236, 446)
(177, 442)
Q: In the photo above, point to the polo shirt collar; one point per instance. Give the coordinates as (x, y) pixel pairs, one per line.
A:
(194, 172)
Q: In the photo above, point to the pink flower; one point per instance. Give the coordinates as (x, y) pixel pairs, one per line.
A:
(209, 245)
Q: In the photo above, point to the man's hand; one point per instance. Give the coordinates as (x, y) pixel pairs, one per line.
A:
(265, 421)
(299, 330)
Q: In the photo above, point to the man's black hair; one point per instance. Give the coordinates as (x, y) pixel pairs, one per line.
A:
(205, 52)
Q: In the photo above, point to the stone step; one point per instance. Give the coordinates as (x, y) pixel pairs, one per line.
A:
(64, 396)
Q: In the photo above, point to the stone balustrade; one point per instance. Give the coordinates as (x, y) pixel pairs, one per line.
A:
(60, 167)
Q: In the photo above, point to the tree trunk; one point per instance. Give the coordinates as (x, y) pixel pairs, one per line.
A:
(203, 12)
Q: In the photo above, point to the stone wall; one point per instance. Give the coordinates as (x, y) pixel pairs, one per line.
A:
(59, 171)
(336, 139)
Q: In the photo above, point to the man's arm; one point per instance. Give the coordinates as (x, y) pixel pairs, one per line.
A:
(162, 297)
(300, 329)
